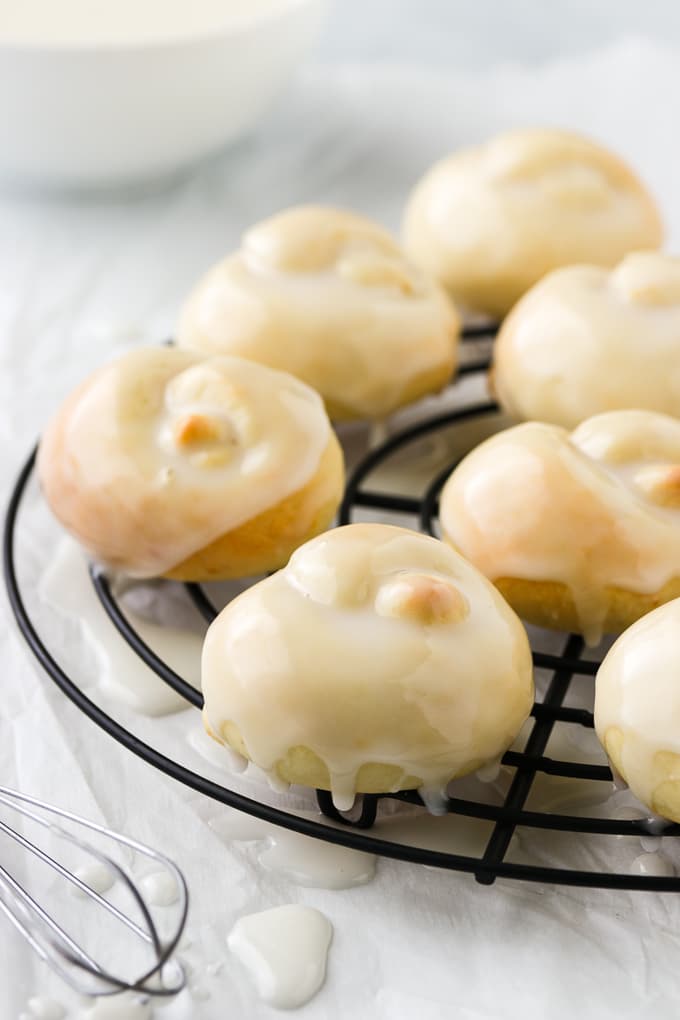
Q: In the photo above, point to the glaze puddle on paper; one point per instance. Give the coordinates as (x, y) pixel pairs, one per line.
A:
(217, 754)
(66, 587)
(96, 875)
(655, 864)
(159, 889)
(303, 860)
(41, 1007)
(118, 1007)
(312, 862)
(284, 951)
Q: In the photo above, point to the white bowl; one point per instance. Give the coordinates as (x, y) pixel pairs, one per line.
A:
(125, 103)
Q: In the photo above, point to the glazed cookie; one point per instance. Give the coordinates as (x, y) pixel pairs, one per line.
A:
(637, 709)
(165, 463)
(329, 297)
(586, 340)
(385, 662)
(580, 531)
(491, 220)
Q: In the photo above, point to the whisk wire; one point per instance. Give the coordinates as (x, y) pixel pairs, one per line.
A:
(51, 942)
(70, 876)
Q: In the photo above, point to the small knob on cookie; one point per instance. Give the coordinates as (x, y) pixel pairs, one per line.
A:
(422, 598)
(199, 430)
(660, 483)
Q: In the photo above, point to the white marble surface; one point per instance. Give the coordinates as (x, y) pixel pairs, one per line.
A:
(80, 279)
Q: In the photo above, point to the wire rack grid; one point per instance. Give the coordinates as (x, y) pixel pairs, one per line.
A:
(352, 829)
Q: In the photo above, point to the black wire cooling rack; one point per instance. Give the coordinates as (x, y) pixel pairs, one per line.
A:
(352, 831)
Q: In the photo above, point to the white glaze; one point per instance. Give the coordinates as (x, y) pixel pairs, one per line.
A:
(43, 1008)
(160, 453)
(343, 799)
(118, 1007)
(67, 588)
(328, 296)
(374, 645)
(303, 860)
(653, 864)
(221, 755)
(434, 797)
(637, 706)
(98, 876)
(284, 951)
(159, 889)
(491, 220)
(585, 340)
(536, 503)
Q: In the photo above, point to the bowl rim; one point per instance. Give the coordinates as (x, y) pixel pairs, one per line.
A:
(247, 22)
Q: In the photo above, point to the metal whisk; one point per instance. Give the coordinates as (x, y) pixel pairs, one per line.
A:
(58, 949)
